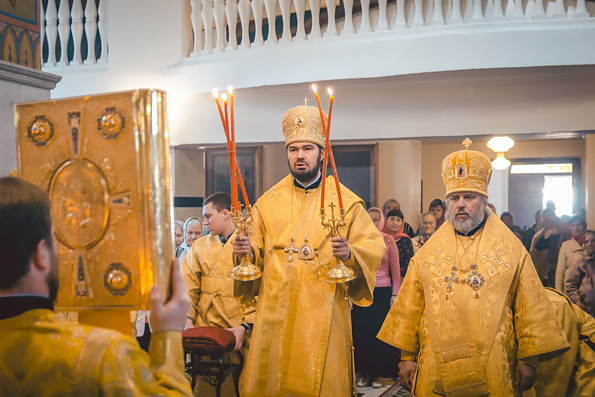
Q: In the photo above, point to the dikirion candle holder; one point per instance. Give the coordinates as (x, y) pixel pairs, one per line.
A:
(338, 273)
(246, 270)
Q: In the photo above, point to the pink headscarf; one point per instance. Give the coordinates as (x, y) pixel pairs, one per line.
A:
(376, 209)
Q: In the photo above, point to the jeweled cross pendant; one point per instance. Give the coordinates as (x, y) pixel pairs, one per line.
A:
(291, 250)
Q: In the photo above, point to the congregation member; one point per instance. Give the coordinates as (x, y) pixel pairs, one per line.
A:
(544, 248)
(438, 209)
(571, 373)
(471, 317)
(207, 273)
(569, 248)
(42, 352)
(393, 226)
(392, 204)
(193, 230)
(301, 343)
(532, 230)
(374, 358)
(427, 227)
(580, 276)
(178, 237)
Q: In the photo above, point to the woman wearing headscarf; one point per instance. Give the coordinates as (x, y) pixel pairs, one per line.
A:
(393, 226)
(374, 358)
(427, 227)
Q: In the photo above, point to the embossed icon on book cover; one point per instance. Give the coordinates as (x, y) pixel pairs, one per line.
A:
(107, 172)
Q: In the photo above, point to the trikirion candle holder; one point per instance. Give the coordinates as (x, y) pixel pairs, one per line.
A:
(246, 270)
(338, 273)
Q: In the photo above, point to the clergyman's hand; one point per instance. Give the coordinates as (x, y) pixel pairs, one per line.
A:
(189, 324)
(171, 315)
(406, 373)
(341, 248)
(241, 245)
(240, 334)
(525, 376)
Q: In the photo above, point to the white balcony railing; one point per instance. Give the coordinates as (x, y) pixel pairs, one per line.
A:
(226, 25)
(75, 35)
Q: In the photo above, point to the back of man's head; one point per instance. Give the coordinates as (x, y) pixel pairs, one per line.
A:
(219, 201)
(24, 222)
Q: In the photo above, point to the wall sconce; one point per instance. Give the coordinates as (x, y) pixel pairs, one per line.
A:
(500, 145)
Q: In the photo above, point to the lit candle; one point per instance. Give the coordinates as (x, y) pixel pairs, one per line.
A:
(233, 142)
(326, 145)
(244, 194)
(231, 153)
(332, 158)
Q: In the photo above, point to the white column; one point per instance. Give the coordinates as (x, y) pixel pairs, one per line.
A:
(219, 14)
(348, 28)
(315, 10)
(331, 28)
(382, 15)
(258, 11)
(231, 12)
(91, 30)
(560, 12)
(244, 10)
(41, 32)
(103, 31)
(401, 22)
(365, 26)
(64, 30)
(271, 7)
(438, 18)
(77, 31)
(456, 17)
(477, 12)
(286, 17)
(51, 19)
(196, 18)
(581, 10)
(300, 12)
(207, 20)
(418, 15)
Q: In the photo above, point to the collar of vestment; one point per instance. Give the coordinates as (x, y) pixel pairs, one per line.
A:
(224, 239)
(15, 305)
(312, 185)
(475, 230)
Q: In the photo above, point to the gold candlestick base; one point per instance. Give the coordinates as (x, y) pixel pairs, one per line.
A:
(245, 271)
(338, 273)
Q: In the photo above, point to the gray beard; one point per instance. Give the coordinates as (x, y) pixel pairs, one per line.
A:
(465, 226)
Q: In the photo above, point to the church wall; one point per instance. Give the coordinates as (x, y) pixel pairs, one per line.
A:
(434, 152)
(590, 180)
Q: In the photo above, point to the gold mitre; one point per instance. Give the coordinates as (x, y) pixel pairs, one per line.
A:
(466, 171)
(302, 124)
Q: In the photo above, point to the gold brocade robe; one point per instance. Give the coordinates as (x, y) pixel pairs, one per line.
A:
(572, 373)
(301, 343)
(206, 271)
(468, 345)
(44, 354)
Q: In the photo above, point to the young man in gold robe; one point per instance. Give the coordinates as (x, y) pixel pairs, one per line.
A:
(472, 317)
(301, 343)
(207, 269)
(42, 352)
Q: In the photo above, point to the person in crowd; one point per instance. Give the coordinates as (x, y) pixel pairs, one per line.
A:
(301, 344)
(207, 273)
(564, 229)
(438, 209)
(471, 317)
(427, 227)
(571, 373)
(551, 206)
(178, 237)
(507, 219)
(393, 226)
(544, 248)
(41, 351)
(569, 248)
(530, 232)
(374, 358)
(493, 208)
(392, 204)
(580, 276)
(193, 230)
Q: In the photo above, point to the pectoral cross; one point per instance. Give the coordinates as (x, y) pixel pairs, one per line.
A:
(291, 250)
(450, 280)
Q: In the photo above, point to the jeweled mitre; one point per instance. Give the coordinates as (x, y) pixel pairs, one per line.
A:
(302, 124)
(466, 171)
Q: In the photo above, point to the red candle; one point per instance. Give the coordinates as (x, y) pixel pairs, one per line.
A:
(332, 158)
(232, 167)
(326, 145)
(244, 194)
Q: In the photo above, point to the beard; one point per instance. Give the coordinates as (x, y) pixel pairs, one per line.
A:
(306, 176)
(466, 225)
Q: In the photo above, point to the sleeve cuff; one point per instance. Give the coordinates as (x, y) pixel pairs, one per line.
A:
(408, 356)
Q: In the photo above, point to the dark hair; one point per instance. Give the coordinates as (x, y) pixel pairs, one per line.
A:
(24, 222)
(219, 200)
(395, 212)
(577, 218)
(437, 203)
(587, 232)
(505, 214)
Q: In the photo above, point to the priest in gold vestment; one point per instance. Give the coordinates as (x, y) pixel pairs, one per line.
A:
(42, 353)
(301, 343)
(207, 269)
(471, 318)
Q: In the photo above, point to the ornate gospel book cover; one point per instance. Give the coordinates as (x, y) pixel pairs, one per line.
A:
(104, 161)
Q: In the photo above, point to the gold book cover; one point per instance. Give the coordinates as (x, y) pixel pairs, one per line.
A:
(104, 161)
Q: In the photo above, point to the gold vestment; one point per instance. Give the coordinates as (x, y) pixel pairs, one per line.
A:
(301, 343)
(44, 354)
(496, 313)
(206, 271)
